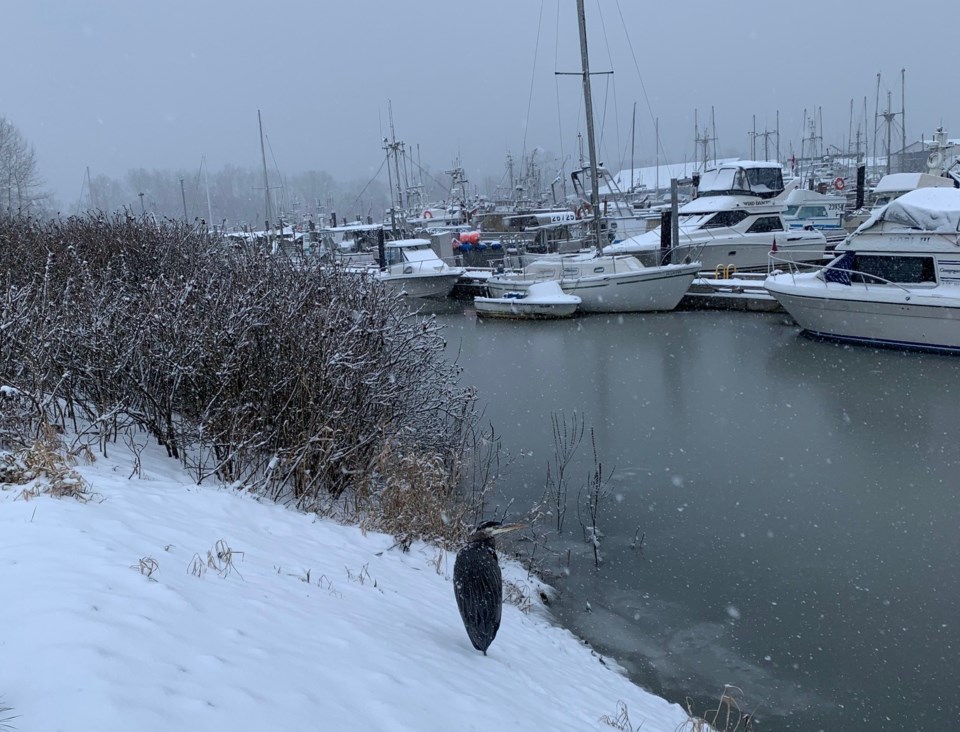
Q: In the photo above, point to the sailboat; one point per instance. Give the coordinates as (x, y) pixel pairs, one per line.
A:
(604, 282)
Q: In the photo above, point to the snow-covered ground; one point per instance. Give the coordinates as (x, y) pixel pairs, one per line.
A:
(118, 614)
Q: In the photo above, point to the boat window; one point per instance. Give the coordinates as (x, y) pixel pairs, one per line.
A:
(421, 253)
(765, 223)
(693, 221)
(904, 270)
(764, 180)
(725, 218)
(724, 181)
(791, 211)
(812, 212)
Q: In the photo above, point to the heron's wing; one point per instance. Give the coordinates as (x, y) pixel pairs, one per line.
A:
(478, 586)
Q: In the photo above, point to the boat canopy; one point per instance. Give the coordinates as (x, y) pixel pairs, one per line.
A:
(743, 178)
(924, 209)
(896, 182)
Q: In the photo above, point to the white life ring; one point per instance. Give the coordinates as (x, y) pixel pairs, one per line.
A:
(839, 183)
(427, 215)
(935, 159)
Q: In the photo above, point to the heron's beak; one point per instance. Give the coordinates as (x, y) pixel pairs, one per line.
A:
(505, 528)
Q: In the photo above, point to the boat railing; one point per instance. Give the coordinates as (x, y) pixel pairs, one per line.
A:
(785, 262)
(862, 278)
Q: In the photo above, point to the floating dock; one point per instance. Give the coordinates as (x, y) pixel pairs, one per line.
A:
(738, 292)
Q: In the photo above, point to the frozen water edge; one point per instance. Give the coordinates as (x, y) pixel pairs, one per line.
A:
(116, 617)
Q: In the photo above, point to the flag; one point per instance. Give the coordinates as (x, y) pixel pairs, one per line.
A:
(839, 270)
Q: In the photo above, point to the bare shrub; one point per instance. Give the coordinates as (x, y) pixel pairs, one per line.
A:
(412, 496)
(726, 717)
(5, 718)
(292, 378)
(47, 466)
(621, 720)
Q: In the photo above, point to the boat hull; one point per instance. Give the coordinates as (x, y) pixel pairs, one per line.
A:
(746, 254)
(645, 290)
(517, 309)
(877, 315)
(422, 284)
(656, 289)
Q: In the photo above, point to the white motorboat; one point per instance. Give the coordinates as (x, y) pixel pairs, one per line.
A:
(540, 301)
(890, 187)
(806, 209)
(734, 222)
(413, 268)
(896, 281)
(605, 283)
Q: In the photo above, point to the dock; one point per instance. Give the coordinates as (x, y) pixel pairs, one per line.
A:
(739, 292)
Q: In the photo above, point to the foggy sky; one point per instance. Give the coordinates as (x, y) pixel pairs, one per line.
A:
(122, 84)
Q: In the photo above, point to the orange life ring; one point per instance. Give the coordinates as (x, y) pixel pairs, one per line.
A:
(427, 215)
(839, 183)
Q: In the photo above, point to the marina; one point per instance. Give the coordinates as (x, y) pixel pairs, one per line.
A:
(657, 304)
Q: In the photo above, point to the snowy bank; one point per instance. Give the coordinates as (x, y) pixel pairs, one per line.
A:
(163, 605)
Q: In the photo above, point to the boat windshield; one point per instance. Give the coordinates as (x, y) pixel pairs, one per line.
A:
(693, 221)
(420, 253)
(764, 182)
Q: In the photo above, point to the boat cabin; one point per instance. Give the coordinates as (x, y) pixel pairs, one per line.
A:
(742, 178)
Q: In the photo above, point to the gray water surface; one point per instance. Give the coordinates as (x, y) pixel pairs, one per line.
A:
(798, 503)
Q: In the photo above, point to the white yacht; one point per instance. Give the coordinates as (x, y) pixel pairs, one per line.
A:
(734, 223)
(896, 281)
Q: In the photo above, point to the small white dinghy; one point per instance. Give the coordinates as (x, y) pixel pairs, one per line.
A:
(539, 301)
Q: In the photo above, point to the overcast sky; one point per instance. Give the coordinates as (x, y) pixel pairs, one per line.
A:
(121, 84)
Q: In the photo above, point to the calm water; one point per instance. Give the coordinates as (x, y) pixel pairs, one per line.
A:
(798, 501)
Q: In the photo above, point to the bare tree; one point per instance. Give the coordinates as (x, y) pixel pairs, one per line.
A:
(21, 188)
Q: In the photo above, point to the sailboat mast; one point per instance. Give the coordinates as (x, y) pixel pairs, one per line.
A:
(588, 109)
(633, 130)
(206, 184)
(266, 183)
(657, 134)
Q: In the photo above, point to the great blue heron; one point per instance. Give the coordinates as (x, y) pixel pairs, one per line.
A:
(478, 585)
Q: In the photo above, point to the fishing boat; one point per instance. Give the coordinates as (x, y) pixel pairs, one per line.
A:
(895, 281)
(540, 301)
(413, 268)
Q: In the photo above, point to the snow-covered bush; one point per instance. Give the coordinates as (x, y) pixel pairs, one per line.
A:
(269, 372)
